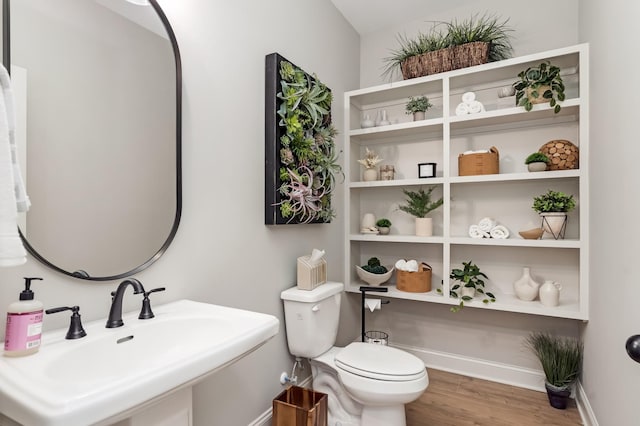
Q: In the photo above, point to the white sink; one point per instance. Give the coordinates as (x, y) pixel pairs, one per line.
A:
(84, 381)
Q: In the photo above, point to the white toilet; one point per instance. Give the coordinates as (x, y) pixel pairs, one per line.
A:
(367, 384)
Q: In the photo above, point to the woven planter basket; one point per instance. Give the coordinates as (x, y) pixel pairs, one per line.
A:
(450, 58)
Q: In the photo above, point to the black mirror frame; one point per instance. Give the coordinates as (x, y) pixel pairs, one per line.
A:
(6, 60)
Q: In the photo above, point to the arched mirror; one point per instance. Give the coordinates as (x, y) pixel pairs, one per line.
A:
(98, 94)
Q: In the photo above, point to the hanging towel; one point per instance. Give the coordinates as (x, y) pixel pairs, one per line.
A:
(12, 251)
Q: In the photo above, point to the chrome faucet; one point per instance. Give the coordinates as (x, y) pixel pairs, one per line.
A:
(115, 313)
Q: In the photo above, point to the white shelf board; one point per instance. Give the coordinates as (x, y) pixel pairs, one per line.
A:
(396, 182)
(430, 128)
(528, 176)
(568, 308)
(516, 242)
(396, 238)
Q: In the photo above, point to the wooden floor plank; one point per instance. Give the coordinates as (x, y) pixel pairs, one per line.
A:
(454, 400)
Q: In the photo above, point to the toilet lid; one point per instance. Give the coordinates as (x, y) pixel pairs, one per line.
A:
(380, 362)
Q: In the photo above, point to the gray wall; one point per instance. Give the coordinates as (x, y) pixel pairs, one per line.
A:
(610, 377)
(223, 252)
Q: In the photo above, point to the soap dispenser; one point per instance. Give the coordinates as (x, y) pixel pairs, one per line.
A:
(24, 323)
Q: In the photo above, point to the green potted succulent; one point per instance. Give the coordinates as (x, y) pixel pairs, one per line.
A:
(553, 207)
(419, 205)
(561, 360)
(466, 283)
(383, 226)
(537, 162)
(418, 107)
(540, 84)
(451, 41)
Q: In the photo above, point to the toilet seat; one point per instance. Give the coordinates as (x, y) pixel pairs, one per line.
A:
(379, 362)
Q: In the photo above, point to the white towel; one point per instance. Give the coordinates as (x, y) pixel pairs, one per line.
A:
(499, 232)
(475, 107)
(468, 97)
(12, 251)
(462, 109)
(487, 224)
(475, 232)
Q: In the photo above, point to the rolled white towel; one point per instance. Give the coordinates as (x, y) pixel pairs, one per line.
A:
(401, 265)
(487, 224)
(475, 232)
(475, 107)
(480, 151)
(468, 97)
(499, 232)
(462, 109)
(412, 266)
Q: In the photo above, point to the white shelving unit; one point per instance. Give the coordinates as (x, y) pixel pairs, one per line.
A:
(507, 197)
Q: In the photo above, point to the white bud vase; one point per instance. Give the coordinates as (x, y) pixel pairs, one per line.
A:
(526, 288)
(550, 293)
(370, 174)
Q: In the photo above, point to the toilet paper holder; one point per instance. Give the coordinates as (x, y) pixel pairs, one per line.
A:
(363, 290)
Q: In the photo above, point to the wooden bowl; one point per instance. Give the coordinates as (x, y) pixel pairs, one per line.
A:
(374, 279)
(532, 234)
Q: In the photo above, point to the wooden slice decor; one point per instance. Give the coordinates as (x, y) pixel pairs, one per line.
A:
(563, 154)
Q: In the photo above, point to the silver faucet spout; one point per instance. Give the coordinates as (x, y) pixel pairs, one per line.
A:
(115, 313)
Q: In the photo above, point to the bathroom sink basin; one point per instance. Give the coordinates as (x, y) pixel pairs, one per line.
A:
(113, 370)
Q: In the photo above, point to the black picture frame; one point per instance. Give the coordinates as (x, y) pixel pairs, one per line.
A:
(426, 170)
(273, 145)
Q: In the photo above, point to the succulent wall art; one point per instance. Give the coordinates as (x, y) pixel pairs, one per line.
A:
(301, 159)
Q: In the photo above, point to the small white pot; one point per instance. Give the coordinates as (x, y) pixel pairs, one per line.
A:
(554, 223)
(424, 226)
(418, 115)
(539, 166)
(370, 175)
(467, 291)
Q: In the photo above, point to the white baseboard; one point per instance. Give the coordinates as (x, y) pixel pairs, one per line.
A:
(265, 418)
(482, 369)
(584, 407)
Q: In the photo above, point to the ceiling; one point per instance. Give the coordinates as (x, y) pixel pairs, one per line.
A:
(372, 15)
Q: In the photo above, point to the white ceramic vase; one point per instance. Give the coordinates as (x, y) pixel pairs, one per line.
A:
(424, 226)
(550, 293)
(370, 174)
(368, 221)
(526, 288)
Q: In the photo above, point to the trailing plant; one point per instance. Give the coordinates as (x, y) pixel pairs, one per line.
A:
(308, 154)
(419, 202)
(536, 157)
(533, 79)
(560, 357)
(553, 202)
(468, 277)
(383, 223)
(419, 104)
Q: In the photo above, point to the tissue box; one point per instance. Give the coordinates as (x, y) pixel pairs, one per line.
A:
(311, 276)
(415, 282)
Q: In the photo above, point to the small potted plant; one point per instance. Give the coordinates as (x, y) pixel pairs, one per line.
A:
(537, 162)
(540, 84)
(383, 226)
(561, 360)
(418, 106)
(468, 281)
(419, 204)
(369, 162)
(553, 207)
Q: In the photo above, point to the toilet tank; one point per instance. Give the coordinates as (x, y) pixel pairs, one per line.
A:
(311, 318)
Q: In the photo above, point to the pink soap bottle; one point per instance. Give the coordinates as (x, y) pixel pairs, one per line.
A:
(24, 323)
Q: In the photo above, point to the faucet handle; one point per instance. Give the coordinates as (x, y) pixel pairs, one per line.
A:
(75, 327)
(146, 312)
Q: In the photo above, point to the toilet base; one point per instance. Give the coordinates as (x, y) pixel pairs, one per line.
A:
(384, 416)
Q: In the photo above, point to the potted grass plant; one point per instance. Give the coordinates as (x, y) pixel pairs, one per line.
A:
(419, 205)
(451, 45)
(540, 84)
(561, 361)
